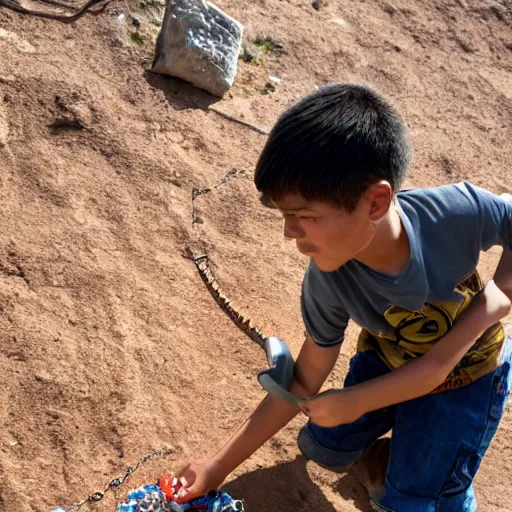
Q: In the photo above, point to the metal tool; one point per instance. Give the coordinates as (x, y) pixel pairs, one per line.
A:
(278, 378)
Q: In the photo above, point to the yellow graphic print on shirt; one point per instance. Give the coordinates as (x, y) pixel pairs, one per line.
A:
(416, 332)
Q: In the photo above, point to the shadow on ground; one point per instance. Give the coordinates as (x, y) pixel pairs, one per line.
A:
(288, 487)
(351, 490)
(180, 94)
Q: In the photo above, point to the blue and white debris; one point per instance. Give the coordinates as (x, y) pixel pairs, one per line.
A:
(149, 498)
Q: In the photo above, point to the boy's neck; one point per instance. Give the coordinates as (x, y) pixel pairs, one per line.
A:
(389, 251)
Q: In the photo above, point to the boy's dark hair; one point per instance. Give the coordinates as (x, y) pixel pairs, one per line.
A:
(332, 145)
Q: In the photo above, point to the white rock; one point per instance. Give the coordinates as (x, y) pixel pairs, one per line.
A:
(199, 43)
(339, 21)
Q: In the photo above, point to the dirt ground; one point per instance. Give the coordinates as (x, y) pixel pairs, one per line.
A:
(110, 345)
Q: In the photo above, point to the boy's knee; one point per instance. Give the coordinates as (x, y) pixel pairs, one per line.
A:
(329, 459)
(306, 443)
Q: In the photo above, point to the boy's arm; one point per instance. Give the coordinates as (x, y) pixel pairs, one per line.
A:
(312, 367)
(494, 227)
(439, 362)
(426, 373)
(503, 276)
(418, 377)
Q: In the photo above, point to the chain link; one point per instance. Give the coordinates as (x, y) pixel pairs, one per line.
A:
(117, 482)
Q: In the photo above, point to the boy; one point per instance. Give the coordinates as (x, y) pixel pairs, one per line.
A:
(433, 363)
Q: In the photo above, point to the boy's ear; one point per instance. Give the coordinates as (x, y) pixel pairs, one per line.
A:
(380, 196)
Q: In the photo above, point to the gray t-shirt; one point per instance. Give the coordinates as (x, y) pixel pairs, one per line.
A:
(402, 316)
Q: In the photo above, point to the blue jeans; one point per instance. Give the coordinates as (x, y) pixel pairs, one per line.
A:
(437, 443)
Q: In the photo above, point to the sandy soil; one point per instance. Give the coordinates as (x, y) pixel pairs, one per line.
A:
(110, 345)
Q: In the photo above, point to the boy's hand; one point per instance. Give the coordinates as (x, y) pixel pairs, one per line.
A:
(202, 476)
(332, 408)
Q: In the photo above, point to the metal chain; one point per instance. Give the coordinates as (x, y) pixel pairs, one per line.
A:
(117, 482)
(202, 263)
(196, 192)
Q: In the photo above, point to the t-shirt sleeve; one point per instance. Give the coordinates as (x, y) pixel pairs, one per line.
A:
(494, 217)
(324, 316)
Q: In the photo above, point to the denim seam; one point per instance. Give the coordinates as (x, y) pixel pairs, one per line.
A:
(482, 436)
(477, 448)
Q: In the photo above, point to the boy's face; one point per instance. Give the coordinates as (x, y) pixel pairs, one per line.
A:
(328, 234)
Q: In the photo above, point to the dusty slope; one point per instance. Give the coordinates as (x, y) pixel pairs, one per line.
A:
(110, 346)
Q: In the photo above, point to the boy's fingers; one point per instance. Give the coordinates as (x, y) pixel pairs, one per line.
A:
(187, 495)
(306, 410)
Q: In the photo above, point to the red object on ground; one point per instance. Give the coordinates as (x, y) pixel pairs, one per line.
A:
(170, 486)
(165, 483)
